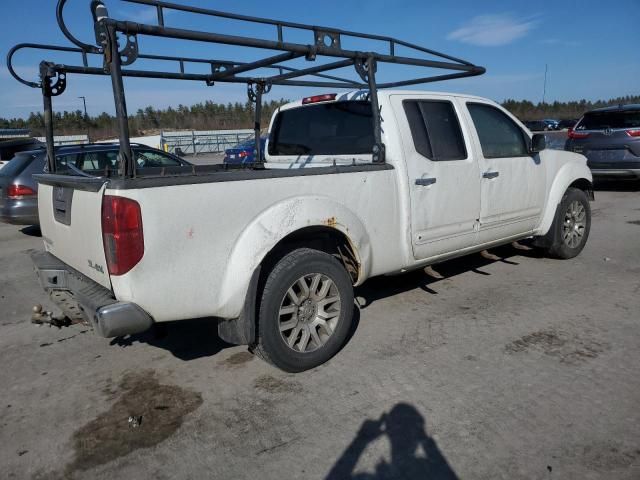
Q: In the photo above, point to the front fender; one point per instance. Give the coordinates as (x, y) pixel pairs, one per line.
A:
(274, 224)
(568, 173)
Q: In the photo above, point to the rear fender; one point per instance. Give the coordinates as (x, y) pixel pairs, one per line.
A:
(274, 224)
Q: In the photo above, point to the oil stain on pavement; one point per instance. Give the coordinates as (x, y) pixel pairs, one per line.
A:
(238, 359)
(555, 343)
(157, 411)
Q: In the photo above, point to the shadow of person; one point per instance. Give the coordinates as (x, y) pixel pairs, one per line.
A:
(414, 455)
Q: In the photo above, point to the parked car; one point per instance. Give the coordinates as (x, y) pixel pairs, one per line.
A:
(552, 123)
(244, 152)
(273, 254)
(610, 139)
(9, 148)
(567, 124)
(19, 190)
(536, 125)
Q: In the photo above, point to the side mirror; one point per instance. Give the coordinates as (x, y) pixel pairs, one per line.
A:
(538, 143)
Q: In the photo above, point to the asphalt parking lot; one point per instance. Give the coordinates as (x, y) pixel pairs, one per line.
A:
(525, 367)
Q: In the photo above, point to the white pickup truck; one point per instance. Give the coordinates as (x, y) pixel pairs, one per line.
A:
(273, 254)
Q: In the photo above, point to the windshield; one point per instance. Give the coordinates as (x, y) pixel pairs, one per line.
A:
(17, 165)
(604, 120)
(340, 128)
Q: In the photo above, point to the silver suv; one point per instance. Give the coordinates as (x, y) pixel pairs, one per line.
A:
(610, 139)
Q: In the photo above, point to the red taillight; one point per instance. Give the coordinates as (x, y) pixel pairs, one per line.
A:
(17, 192)
(577, 135)
(122, 233)
(243, 154)
(329, 97)
(633, 133)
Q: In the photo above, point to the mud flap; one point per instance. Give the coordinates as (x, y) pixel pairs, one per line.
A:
(242, 330)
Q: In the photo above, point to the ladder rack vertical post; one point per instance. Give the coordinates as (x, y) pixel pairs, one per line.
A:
(378, 147)
(127, 165)
(48, 125)
(257, 123)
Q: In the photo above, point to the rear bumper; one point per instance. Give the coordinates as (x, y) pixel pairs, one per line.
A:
(20, 212)
(109, 317)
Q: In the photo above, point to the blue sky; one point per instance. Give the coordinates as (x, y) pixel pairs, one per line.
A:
(591, 48)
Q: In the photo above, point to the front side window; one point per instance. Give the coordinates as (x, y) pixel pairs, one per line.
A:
(500, 137)
(435, 129)
(339, 128)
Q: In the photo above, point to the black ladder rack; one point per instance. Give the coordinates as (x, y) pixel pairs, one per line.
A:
(324, 44)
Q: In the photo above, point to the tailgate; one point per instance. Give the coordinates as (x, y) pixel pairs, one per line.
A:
(70, 211)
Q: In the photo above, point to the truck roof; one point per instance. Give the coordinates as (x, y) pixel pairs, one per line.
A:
(356, 95)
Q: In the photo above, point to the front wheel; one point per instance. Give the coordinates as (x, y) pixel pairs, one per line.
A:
(571, 225)
(306, 310)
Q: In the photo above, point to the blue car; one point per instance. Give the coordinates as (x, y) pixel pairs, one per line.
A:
(243, 152)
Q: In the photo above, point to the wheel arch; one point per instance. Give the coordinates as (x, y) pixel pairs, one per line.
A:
(313, 222)
(571, 175)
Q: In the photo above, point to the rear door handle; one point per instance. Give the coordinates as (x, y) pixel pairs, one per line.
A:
(425, 182)
(490, 175)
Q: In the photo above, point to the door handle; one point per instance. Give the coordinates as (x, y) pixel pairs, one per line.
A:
(490, 175)
(425, 182)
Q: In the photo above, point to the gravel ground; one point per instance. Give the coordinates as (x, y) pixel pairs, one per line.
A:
(525, 368)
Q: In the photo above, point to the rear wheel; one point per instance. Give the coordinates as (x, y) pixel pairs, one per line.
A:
(306, 310)
(571, 225)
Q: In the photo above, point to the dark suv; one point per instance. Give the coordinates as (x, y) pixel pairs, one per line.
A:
(19, 191)
(610, 139)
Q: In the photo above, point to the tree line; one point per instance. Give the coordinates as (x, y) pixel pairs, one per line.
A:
(216, 116)
(201, 116)
(526, 110)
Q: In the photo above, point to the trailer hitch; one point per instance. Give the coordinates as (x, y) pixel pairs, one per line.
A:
(43, 317)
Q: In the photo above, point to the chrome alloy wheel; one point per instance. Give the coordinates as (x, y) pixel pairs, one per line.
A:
(575, 223)
(309, 312)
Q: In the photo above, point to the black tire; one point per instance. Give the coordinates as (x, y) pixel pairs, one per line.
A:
(302, 263)
(558, 245)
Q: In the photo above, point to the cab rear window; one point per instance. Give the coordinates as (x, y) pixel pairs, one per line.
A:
(340, 128)
(604, 120)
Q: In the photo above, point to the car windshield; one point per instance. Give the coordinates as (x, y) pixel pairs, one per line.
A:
(604, 120)
(17, 164)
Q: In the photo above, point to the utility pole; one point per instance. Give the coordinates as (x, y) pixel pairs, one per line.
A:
(86, 117)
(544, 89)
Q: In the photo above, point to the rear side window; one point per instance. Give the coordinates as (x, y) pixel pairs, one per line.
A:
(604, 120)
(16, 165)
(435, 129)
(500, 137)
(87, 161)
(340, 128)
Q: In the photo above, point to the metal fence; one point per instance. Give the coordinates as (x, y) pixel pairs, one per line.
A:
(204, 141)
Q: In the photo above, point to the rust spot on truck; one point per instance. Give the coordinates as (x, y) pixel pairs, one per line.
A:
(331, 222)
